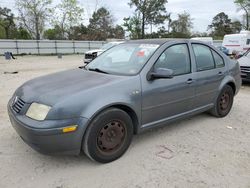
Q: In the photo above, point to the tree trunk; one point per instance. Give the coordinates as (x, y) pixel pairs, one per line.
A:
(143, 26)
(7, 35)
(37, 29)
(247, 20)
(247, 17)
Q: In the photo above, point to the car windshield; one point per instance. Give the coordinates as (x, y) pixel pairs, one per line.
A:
(107, 46)
(124, 59)
(247, 53)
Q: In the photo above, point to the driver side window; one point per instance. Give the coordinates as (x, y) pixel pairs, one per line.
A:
(176, 58)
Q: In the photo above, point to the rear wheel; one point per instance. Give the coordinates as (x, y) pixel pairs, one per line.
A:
(224, 102)
(108, 136)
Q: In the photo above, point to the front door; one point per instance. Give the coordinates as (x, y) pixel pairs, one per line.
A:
(163, 99)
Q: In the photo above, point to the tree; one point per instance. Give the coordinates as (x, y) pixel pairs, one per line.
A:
(236, 27)
(168, 18)
(150, 12)
(22, 33)
(53, 34)
(78, 33)
(33, 14)
(68, 14)
(117, 32)
(221, 25)
(7, 21)
(100, 24)
(133, 26)
(245, 6)
(182, 26)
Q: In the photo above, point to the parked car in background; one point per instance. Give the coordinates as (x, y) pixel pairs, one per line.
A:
(244, 62)
(224, 50)
(92, 54)
(130, 88)
(208, 40)
(237, 42)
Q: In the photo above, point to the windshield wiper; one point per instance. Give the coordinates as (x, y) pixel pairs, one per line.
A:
(98, 70)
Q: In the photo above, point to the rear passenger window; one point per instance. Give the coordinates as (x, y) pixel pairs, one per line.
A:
(204, 57)
(219, 62)
(176, 58)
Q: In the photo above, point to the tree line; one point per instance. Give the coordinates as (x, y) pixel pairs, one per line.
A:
(38, 19)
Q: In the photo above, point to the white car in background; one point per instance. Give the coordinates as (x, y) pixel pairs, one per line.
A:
(92, 54)
(237, 42)
(208, 40)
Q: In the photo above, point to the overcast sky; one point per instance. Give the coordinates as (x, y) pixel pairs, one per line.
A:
(202, 11)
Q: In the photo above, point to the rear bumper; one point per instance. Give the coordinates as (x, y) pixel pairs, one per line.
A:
(49, 140)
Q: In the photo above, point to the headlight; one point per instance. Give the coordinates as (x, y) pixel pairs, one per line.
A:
(38, 111)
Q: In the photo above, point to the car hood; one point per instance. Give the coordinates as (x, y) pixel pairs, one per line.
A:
(53, 88)
(244, 61)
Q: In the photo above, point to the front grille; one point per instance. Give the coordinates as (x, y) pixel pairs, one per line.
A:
(245, 69)
(17, 104)
(91, 56)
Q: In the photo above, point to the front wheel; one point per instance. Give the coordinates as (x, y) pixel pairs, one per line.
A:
(108, 136)
(224, 102)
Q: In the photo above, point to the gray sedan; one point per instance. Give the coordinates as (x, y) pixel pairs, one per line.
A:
(128, 89)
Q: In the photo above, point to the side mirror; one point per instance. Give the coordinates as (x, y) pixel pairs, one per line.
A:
(161, 73)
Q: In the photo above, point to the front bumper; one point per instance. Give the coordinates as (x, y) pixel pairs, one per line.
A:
(49, 140)
(87, 61)
(245, 74)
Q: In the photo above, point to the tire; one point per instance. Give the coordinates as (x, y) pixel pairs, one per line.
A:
(108, 136)
(224, 102)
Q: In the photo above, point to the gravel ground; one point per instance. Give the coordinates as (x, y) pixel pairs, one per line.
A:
(201, 151)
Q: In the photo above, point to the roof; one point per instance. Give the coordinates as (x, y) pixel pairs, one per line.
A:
(154, 41)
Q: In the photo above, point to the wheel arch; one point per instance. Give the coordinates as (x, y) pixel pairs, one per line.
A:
(126, 108)
(228, 81)
(232, 85)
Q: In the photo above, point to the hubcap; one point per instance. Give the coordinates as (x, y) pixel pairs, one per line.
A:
(111, 136)
(224, 101)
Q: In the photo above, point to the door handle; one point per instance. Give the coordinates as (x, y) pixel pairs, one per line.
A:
(189, 81)
(220, 73)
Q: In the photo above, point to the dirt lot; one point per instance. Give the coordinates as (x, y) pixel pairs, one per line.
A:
(202, 151)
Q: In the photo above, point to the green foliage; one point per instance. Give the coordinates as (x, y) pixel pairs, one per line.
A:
(68, 14)
(133, 26)
(2, 33)
(236, 27)
(101, 26)
(7, 22)
(22, 33)
(53, 34)
(78, 33)
(181, 27)
(222, 25)
(245, 6)
(117, 32)
(150, 12)
(33, 14)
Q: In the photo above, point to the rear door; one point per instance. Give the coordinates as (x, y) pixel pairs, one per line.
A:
(210, 71)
